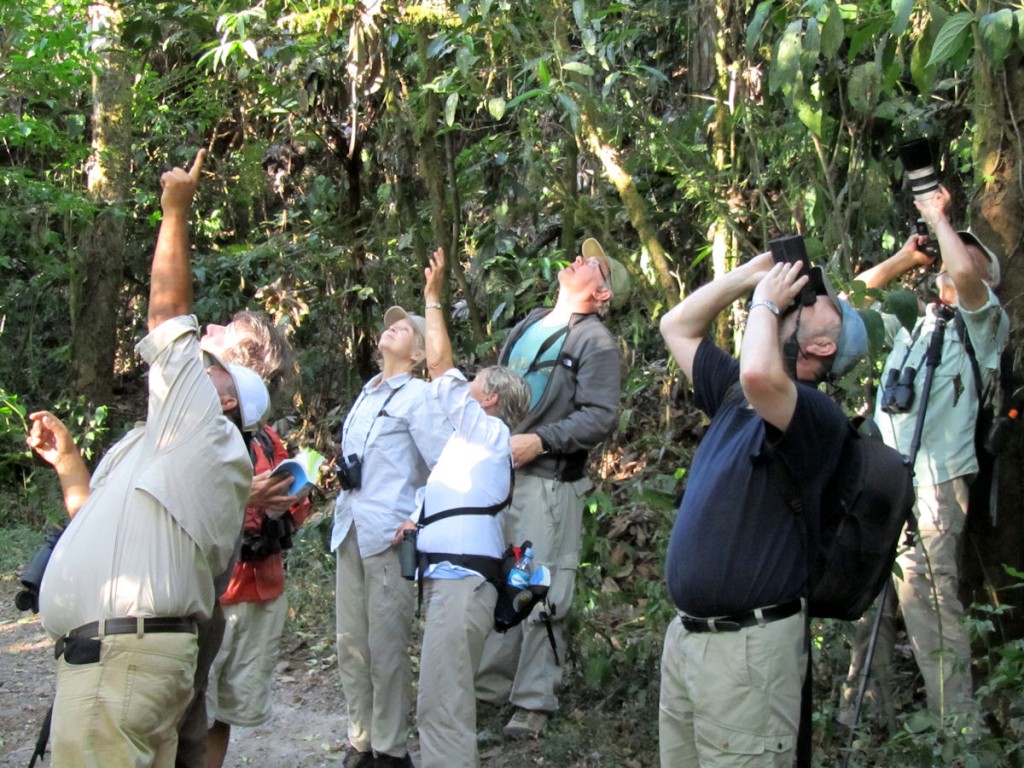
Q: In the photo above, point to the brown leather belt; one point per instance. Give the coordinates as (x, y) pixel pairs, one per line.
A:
(741, 620)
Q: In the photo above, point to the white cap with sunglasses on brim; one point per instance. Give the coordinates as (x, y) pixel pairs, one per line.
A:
(852, 344)
(617, 277)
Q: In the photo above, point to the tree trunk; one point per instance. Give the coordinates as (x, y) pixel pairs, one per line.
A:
(98, 273)
(997, 216)
(441, 193)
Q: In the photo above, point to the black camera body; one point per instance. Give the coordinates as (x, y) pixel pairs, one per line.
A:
(275, 536)
(898, 391)
(350, 472)
(929, 247)
(790, 250)
(27, 598)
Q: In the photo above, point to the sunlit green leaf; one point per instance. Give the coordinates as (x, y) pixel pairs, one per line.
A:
(901, 9)
(543, 73)
(953, 36)
(996, 32)
(590, 41)
(450, 105)
(578, 66)
(785, 70)
(832, 33)
(809, 113)
(902, 303)
(496, 106)
(757, 22)
(863, 88)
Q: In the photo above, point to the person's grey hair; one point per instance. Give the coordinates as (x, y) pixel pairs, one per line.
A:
(265, 350)
(513, 393)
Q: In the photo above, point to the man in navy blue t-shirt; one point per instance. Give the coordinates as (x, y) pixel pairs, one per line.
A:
(735, 658)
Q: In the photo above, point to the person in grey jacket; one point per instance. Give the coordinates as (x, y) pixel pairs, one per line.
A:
(571, 362)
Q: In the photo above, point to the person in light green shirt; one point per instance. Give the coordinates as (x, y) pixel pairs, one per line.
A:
(945, 462)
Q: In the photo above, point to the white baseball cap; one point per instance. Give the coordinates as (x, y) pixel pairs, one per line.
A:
(252, 395)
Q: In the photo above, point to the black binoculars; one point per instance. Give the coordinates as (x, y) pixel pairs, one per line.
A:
(898, 391)
(350, 472)
(275, 536)
(27, 598)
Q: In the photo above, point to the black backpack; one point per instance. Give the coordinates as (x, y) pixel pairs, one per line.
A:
(852, 545)
(866, 504)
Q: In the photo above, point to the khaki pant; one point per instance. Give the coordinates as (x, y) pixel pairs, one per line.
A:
(459, 614)
(374, 608)
(732, 699)
(124, 709)
(519, 666)
(928, 596)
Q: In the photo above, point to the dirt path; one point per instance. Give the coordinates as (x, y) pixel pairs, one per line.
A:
(307, 729)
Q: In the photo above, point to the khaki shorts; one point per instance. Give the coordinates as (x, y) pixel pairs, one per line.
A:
(243, 672)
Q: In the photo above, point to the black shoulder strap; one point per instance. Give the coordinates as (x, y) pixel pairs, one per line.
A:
(266, 444)
(537, 363)
(493, 509)
(965, 338)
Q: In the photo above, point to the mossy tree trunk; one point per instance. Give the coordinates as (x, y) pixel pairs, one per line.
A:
(997, 216)
(98, 272)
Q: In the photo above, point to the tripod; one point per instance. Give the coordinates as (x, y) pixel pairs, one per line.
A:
(932, 359)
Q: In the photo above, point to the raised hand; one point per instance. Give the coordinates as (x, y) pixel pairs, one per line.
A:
(434, 275)
(781, 284)
(49, 438)
(179, 186)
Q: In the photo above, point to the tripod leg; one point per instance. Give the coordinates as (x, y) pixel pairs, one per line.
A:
(865, 671)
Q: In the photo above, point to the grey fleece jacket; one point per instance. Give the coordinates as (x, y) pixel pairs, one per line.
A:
(580, 403)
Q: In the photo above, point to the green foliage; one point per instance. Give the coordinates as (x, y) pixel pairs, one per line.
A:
(20, 544)
(310, 583)
(348, 140)
(13, 430)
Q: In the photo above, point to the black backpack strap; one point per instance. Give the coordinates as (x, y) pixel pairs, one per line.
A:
(491, 510)
(965, 338)
(545, 345)
(488, 567)
(266, 444)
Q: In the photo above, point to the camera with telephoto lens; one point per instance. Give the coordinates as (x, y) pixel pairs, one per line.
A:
(27, 598)
(919, 168)
(898, 392)
(350, 472)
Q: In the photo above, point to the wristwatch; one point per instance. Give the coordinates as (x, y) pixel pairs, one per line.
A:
(767, 304)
